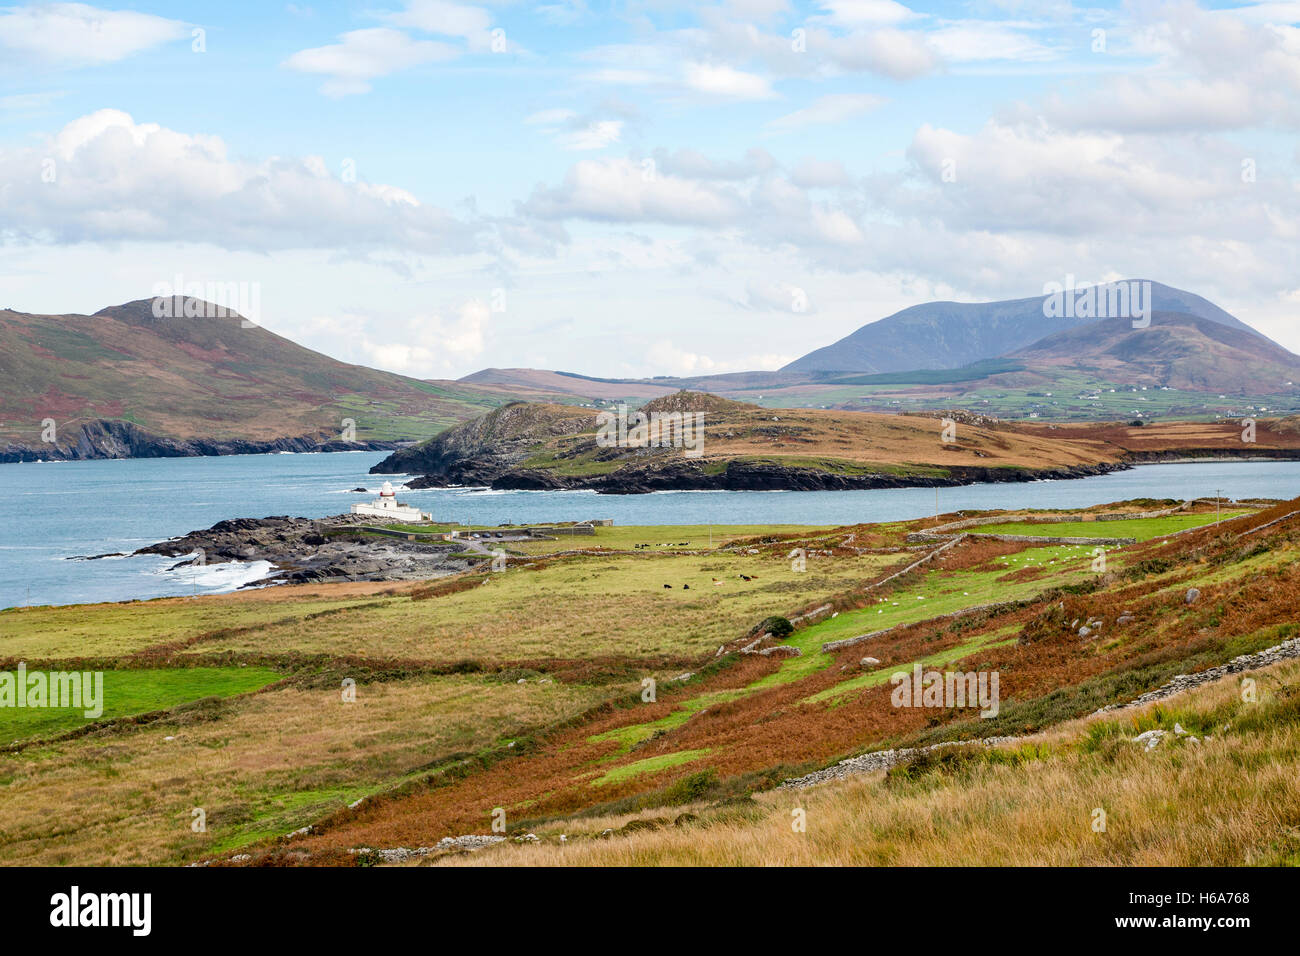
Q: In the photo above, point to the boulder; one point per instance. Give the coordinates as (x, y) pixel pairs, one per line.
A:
(1150, 739)
(1191, 595)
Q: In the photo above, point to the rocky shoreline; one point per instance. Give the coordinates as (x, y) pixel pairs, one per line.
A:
(737, 475)
(305, 550)
(115, 439)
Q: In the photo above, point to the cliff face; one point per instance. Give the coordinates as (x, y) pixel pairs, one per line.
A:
(116, 439)
(478, 451)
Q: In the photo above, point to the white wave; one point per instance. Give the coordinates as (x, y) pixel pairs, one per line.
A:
(220, 578)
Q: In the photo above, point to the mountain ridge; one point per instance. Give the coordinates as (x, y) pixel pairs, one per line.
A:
(953, 334)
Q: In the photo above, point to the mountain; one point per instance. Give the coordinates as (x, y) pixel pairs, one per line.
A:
(124, 382)
(1176, 350)
(939, 335)
(568, 383)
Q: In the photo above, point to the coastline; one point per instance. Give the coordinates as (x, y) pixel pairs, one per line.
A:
(103, 439)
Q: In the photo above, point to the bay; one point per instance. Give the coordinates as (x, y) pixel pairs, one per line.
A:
(53, 511)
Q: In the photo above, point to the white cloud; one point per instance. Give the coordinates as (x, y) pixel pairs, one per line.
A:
(972, 40)
(578, 133)
(692, 164)
(724, 81)
(363, 55)
(666, 355)
(472, 24)
(900, 54)
(756, 9)
(75, 34)
(1216, 69)
(835, 108)
(115, 179)
(811, 173)
(754, 198)
(777, 297)
(595, 135)
(854, 13)
(622, 190)
(1158, 103)
(427, 345)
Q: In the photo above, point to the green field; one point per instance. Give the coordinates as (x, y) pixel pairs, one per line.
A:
(522, 689)
(1143, 529)
(660, 537)
(134, 692)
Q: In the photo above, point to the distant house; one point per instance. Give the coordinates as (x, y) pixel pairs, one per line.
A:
(387, 506)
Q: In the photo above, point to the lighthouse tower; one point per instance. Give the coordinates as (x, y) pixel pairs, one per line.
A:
(387, 506)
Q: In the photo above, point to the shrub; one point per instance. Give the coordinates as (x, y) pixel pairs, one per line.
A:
(692, 788)
(779, 627)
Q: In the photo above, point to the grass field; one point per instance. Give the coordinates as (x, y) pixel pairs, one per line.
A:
(580, 607)
(1141, 528)
(136, 692)
(1225, 801)
(526, 690)
(659, 537)
(259, 766)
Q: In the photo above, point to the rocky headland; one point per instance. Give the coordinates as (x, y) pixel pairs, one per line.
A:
(338, 548)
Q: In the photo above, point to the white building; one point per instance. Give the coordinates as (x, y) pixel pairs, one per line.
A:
(387, 506)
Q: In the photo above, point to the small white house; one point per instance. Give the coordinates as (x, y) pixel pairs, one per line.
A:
(387, 506)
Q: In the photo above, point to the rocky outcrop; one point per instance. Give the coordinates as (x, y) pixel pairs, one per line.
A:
(117, 439)
(479, 451)
(1246, 662)
(306, 549)
(880, 760)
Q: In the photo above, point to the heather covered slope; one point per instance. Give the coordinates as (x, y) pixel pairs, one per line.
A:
(523, 689)
(1177, 350)
(743, 724)
(123, 379)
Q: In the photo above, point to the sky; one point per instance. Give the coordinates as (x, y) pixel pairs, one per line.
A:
(643, 188)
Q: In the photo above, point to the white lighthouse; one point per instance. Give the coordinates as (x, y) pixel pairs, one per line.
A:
(387, 506)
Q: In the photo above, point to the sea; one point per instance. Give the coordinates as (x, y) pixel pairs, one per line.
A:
(55, 514)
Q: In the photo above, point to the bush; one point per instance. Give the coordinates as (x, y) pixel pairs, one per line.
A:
(692, 788)
(779, 627)
(935, 763)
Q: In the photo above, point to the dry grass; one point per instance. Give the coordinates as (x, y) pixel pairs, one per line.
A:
(111, 629)
(576, 607)
(1230, 800)
(261, 765)
(890, 440)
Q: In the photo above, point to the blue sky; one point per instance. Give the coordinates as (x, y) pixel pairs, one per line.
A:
(644, 188)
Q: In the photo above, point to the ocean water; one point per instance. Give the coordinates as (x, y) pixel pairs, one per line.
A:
(53, 511)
